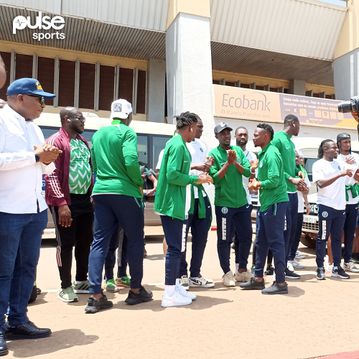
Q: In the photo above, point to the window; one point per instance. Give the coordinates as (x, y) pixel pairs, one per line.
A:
(23, 66)
(142, 149)
(107, 74)
(149, 148)
(45, 74)
(141, 92)
(67, 83)
(158, 144)
(87, 85)
(125, 84)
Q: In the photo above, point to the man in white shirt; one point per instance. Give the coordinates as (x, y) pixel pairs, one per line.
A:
(200, 213)
(23, 211)
(350, 160)
(329, 177)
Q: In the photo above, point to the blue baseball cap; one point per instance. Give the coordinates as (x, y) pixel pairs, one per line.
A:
(28, 86)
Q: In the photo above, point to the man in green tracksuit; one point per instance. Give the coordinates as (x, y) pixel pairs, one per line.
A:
(282, 140)
(232, 207)
(173, 203)
(117, 197)
(273, 199)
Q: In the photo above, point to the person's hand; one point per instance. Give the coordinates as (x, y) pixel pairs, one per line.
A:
(254, 164)
(347, 172)
(149, 192)
(232, 156)
(204, 178)
(64, 213)
(301, 174)
(297, 181)
(350, 160)
(254, 185)
(209, 161)
(307, 208)
(47, 153)
(302, 187)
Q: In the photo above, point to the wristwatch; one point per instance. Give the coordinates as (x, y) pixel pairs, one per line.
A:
(37, 158)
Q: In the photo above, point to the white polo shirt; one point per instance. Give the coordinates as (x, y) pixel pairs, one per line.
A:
(20, 174)
(198, 151)
(333, 195)
(251, 156)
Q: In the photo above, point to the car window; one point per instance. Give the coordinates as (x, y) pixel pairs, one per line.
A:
(308, 164)
(142, 148)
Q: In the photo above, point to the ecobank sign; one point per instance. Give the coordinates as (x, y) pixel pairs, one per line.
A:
(43, 25)
(265, 106)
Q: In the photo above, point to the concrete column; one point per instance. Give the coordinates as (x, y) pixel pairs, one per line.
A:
(297, 87)
(156, 90)
(346, 75)
(346, 63)
(189, 64)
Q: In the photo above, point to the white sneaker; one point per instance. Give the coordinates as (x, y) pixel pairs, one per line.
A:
(296, 265)
(200, 282)
(228, 280)
(184, 282)
(351, 267)
(242, 277)
(328, 267)
(174, 300)
(182, 290)
(290, 266)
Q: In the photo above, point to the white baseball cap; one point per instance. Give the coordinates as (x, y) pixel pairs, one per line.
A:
(120, 108)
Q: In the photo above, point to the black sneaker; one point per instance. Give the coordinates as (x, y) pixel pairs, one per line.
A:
(339, 272)
(320, 273)
(252, 284)
(95, 305)
(143, 296)
(3, 347)
(269, 270)
(276, 288)
(291, 275)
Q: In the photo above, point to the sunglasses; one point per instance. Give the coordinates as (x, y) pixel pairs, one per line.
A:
(40, 98)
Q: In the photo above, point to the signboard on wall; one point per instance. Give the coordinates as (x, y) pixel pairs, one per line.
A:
(266, 106)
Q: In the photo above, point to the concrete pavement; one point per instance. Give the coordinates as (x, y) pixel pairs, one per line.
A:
(316, 318)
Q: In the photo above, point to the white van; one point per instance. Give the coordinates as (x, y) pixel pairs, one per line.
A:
(151, 139)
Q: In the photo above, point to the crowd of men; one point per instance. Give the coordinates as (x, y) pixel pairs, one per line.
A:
(96, 197)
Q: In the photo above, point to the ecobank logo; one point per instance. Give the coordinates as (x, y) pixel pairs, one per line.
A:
(41, 23)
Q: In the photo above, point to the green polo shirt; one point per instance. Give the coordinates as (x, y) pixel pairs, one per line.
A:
(286, 149)
(229, 190)
(270, 173)
(115, 161)
(172, 199)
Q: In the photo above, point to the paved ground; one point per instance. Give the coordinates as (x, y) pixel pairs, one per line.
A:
(314, 319)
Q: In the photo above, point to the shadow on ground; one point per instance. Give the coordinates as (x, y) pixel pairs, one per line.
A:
(59, 340)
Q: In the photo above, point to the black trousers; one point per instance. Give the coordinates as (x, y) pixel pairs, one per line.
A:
(78, 235)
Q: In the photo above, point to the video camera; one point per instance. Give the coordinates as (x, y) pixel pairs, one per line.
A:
(349, 106)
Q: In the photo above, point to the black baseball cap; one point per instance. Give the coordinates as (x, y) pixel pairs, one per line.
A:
(220, 127)
(343, 136)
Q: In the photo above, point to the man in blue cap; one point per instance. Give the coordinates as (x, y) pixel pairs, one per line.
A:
(24, 157)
